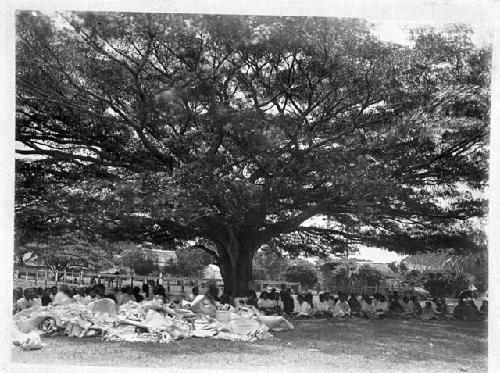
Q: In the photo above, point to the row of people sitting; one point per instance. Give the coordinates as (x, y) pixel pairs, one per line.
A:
(378, 307)
(29, 297)
(269, 303)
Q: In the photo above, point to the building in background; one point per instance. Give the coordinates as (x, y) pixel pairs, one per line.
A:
(212, 272)
(165, 257)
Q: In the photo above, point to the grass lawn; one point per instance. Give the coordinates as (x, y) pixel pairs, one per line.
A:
(346, 345)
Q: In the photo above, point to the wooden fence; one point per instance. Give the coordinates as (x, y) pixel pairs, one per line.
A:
(173, 285)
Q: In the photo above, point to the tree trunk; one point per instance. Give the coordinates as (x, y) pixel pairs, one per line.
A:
(237, 274)
(235, 262)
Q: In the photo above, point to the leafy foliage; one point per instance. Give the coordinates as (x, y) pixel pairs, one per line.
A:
(444, 284)
(69, 252)
(190, 262)
(472, 268)
(340, 275)
(269, 264)
(306, 276)
(143, 262)
(335, 276)
(367, 275)
(240, 130)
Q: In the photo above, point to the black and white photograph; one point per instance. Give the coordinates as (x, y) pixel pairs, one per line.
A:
(193, 188)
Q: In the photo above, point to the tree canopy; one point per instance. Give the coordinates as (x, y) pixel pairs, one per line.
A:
(68, 252)
(306, 276)
(238, 130)
(191, 261)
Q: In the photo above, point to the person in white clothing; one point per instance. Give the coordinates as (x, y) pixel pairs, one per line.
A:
(81, 297)
(305, 309)
(341, 308)
(62, 296)
(266, 305)
(322, 308)
(26, 301)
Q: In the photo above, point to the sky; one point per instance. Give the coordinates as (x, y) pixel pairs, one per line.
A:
(377, 255)
(397, 31)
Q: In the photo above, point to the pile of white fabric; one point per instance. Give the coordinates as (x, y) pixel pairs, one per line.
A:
(148, 321)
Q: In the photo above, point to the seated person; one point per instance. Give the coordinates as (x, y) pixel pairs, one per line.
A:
(322, 308)
(17, 294)
(127, 295)
(93, 294)
(266, 305)
(205, 305)
(395, 307)
(159, 294)
(252, 299)
(36, 302)
(272, 294)
(330, 300)
(46, 299)
(194, 293)
(408, 309)
(484, 310)
(279, 303)
(53, 292)
(308, 297)
(120, 292)
(442, 308)
(305, 309)
(62, 296)
(435, 304)
(226, 302)
(381, 308)
(415, 304)
(137, 294)
(145, 292)
(288, 303)
(367, 307)
(428, 312)
(26, 301)
(176, 302)
(39, 292)
(466, 310)
(354, 305)
(213, 290)
(101, 290)
(375, 299)
(81, 297)
(341, 308)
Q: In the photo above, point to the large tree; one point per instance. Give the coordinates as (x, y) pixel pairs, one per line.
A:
(240, 131)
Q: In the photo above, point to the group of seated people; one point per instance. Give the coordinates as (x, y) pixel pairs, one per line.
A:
(29, 297)
(207, 303)
(379, 306)
(467, 310)
(271, 302)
